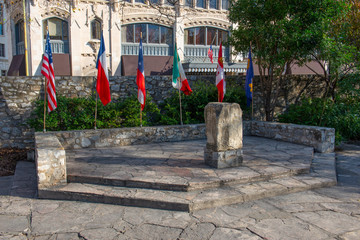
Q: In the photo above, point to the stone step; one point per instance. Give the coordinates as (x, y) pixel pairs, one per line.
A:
(188, 201)
(239, 175)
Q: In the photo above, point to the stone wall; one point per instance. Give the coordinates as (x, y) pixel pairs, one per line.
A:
(50, 161)
(17, 96)
(128, 136)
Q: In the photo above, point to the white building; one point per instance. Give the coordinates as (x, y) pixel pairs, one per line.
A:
(4, 53)
(75, 27)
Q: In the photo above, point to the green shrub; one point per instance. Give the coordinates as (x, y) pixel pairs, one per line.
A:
(79, 113)
(194, 104)
(343, 114)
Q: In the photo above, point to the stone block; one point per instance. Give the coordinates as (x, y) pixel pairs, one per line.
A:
(223, 126)
(224, 159)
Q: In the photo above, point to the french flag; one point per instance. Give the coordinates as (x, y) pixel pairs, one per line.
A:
(140, 78)
(102, 81)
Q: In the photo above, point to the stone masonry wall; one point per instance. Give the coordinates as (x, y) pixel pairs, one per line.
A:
(17, 96)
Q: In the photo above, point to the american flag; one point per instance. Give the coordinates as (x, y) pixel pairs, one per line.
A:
(47, 69)
(210, 54)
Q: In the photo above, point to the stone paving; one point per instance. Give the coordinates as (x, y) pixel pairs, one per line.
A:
(180, 165)
(327, 213)
(173, 175)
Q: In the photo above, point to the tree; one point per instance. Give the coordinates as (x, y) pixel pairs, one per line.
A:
(279, 32)
(338, 53)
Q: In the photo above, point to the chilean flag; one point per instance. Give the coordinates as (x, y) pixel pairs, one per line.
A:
(140, 78)
(102, 81)
(220, 76)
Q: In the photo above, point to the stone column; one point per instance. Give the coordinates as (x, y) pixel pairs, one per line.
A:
(224, 135)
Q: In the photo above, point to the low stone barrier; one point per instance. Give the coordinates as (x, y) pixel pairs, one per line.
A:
(50, 147)
(50, 160)
(320, 138)
(129, 136)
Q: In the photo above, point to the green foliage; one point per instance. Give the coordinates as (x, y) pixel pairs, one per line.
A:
(280, 32)
(342, 114)
(79, 113)
(193, 105)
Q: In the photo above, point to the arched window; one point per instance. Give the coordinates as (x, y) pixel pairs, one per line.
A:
(19, 37)
(205, 36)
(95, 29)
(58, 32)
(151, 33)
(157, 39)
(197, 42)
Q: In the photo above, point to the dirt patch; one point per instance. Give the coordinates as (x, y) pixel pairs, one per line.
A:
(8, 159)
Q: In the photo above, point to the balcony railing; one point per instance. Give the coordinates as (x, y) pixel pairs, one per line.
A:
(148, 49)
(58, 46)
(199, 54)
(20, 48)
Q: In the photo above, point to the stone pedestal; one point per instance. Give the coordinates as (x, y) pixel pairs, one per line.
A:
(224, 135)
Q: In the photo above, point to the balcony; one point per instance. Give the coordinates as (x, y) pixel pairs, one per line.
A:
(58, 46)
(148, 49)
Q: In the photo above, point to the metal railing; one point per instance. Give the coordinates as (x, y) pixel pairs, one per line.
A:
(199, 54)
(148, 49)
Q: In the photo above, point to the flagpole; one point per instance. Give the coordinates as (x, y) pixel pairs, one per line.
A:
(96, 109)
(181, 122)
(45, 89)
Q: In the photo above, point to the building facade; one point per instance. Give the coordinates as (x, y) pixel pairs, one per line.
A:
(75, 28)
(4, 53)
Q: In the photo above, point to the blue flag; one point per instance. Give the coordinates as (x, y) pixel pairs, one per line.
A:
(249, 80)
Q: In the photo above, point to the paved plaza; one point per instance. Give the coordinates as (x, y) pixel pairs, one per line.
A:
(325, 213)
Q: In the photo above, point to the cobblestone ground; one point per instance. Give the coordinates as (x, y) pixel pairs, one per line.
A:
(328, 213)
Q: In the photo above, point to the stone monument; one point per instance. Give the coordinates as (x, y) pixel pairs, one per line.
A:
(224, 135)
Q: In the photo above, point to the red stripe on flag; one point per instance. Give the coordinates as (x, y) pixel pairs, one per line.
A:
(102, 85)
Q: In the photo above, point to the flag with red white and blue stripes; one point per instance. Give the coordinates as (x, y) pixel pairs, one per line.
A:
(102, 81)
(47, 69)
(140, 78)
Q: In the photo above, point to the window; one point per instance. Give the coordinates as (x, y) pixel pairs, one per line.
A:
(200, 36)
(1, 19)
(154, 36)
(211, 36)
(154, 1)
(58, 33)
(19, 32)
(95, 29)
(151, 33)
(140, 1)
(19, 38)
(205, 36)
(3, 72)
(58, 29)
(213, 4)
(188, 3)
(140, 28)
(2, 50)
(200, 3)
(225, 4)
(189, 36)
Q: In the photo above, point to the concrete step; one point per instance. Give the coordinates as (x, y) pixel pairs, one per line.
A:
(187, 201)
(231, 177)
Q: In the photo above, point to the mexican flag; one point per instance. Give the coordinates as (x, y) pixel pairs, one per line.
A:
(179, 80)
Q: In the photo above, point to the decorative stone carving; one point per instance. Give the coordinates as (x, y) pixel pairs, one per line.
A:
(224, 135)
(94, 44)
